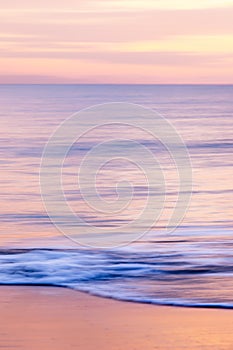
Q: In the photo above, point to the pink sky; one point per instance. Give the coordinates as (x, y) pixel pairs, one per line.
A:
(116, 41)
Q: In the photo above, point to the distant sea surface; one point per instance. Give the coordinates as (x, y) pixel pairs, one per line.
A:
(193, 266)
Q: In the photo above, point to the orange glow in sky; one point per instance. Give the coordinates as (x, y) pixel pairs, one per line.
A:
(116, 41)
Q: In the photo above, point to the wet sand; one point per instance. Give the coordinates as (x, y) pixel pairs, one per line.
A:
(35, 318)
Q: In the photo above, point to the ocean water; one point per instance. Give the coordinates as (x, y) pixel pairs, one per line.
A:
(191, 266)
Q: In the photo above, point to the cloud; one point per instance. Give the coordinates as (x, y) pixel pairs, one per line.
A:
(161, 58)
(95, 33)
(122, 26)
(28, 79)
(112, 5)
(32, 47)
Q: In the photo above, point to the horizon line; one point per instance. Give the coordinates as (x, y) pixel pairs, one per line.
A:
(174, 84)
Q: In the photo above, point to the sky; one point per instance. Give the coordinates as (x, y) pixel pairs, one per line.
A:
(116, 41)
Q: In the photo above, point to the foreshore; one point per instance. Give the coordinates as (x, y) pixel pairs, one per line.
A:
(50, 318)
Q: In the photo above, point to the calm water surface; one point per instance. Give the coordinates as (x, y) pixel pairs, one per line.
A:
(193, 266)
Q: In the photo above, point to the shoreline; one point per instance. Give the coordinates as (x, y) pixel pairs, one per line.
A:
(60, 318)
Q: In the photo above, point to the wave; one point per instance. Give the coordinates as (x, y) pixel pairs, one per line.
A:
(146, 277)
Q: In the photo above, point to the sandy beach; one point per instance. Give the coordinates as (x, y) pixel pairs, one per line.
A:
(57, 318)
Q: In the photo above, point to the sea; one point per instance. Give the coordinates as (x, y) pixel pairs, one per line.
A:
(189, 265)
